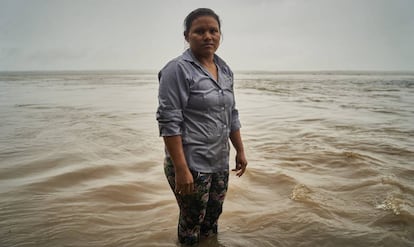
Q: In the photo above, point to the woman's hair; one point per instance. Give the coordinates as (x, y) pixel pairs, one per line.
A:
(197, 13)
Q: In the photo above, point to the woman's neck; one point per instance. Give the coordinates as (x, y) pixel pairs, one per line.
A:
(210, 66)
(206, 61)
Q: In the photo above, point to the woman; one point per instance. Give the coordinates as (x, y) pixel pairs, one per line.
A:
(196, 117)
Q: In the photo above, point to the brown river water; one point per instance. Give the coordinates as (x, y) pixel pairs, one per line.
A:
(331, 161)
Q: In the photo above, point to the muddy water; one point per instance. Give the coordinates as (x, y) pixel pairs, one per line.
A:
(331, 161)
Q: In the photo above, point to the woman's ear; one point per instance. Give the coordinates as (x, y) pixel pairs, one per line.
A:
(186, 36)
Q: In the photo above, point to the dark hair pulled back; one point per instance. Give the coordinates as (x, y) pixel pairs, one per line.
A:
(197, 13)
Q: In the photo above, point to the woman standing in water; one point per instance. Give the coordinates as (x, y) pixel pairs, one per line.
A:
(197, 117)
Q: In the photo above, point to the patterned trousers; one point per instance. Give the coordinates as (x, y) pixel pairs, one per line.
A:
(199, 212)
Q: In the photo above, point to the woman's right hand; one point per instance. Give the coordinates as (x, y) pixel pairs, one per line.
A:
(184, 182)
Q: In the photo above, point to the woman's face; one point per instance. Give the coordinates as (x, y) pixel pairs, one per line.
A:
(204, 36)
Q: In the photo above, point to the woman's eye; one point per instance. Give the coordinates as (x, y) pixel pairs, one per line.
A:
(202, 31)
(199, 31)
(214, 31)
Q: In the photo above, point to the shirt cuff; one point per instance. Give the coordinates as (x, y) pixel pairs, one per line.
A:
(235, 123)
(169, 122)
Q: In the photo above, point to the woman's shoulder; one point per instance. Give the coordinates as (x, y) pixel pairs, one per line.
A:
(173, 63)
(174, 66)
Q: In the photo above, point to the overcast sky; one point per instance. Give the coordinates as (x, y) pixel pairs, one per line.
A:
(258, 34)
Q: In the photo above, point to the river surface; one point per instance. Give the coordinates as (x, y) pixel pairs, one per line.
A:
(331, 161)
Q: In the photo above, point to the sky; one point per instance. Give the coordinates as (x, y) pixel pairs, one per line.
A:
(276, 35)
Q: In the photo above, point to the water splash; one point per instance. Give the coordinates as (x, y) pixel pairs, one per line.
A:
(300, 192)
(391, 203)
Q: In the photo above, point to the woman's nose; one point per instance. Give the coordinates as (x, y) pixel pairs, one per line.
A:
(207, 36)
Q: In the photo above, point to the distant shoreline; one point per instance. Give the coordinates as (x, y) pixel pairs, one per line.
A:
(76, 71)
(149, 71)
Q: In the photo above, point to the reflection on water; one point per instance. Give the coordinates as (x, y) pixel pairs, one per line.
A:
(330, 161)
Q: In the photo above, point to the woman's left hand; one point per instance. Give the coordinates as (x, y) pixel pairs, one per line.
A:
(241, 163)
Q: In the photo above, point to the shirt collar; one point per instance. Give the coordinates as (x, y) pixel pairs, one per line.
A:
(189, 56)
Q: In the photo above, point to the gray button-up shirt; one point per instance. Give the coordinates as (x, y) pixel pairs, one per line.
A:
(200, 109)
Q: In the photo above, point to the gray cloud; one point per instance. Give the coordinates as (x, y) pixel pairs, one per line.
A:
(271, 35)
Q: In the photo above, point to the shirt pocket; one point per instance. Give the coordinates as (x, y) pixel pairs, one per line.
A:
(203, 101)
(203, 95)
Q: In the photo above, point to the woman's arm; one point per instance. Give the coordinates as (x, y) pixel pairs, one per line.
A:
(241, 161)
(184, 183)
(173, 95)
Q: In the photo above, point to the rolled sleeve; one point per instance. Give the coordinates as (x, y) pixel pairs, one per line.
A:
(169, 122)
(172, 98)
(235, 122)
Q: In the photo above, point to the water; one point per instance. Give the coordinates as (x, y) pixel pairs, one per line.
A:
(331, 161)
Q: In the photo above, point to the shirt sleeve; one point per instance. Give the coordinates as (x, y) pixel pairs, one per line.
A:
(235, 121)
(173, 95)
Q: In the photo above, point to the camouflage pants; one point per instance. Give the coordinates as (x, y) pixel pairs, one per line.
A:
(199, 212)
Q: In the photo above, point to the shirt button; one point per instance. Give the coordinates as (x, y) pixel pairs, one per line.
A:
(220, 91)
(224, 126)
(222, 108)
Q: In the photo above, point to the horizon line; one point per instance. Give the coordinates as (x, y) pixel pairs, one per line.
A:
(235, 70)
